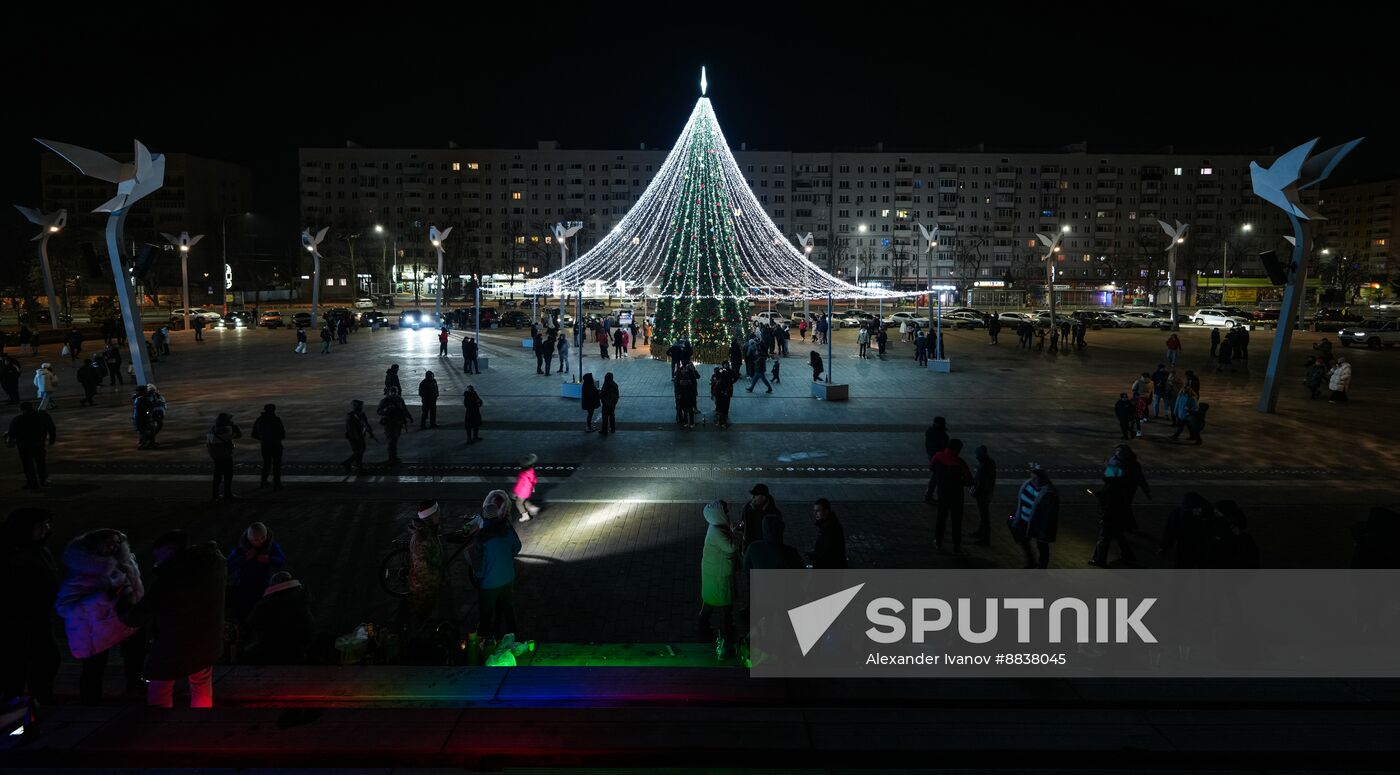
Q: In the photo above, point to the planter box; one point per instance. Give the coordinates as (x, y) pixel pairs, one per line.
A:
(528, 344)
(483, 362)
(828, 392)
(942, 366)
(571, 390)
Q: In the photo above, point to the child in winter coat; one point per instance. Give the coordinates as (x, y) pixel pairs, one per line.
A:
(101, 572)
(525, 487)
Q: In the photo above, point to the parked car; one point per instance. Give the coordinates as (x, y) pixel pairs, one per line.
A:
(587, 304)
(771, 317)
(900, 318)
(334, 315)
(515, 317)
(849, 320)
(209, 316)
(1337, 315)
(972, 310)
(272, 319)
(1373, 333)
(1016, 318)
(1215, 316)
(963, 320)
(364, 303)
(370, 317)
(1139, 319)
(301, 319)
(1093, 317)
(41, 318)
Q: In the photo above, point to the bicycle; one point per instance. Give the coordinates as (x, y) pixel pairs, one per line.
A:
(394, 568)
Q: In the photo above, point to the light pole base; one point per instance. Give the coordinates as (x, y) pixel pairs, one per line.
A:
(571, 390)
(528, 344)
(943, 366)
(825, 391)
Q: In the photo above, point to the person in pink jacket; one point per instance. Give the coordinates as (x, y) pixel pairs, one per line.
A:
(525, 487)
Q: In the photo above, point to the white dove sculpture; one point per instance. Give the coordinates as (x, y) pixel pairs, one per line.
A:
(312, 244)
(805, 240)
(136, 179)
(49, 223)
(1292, 172)
(562, 234)
(438, 237)
(184, 242)
(1177, 234)
(930, 236)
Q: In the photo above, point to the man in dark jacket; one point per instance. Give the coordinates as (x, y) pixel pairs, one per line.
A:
(219, 441)
(31, 432)
(29, 655)
(984, 485)
(270, 433)
(953, 478)
(184, 606)
(391, 380)
(281, 624)
(90, 378)
(9, 378)
(357, 429)
(469, 353)
(830, 550)
(817, 366)
(1115, 515)
(1127, 415)
(113, 358)
(428, 394)
(394, 416)
(935, 441)
(771, 553)
(1214, 341)
(760, 505)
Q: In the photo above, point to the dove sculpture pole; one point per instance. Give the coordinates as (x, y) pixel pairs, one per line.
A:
(49, 224)
(140, 177)
(313, 246)
(1280, 185)
(437, 238)
(1177, 234)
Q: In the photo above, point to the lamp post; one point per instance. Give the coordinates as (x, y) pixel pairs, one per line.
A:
(354, 278)
(1177, 235)
(437, 238)
(1052, 245)
(1224, 259)
(383, 254)
(312, 245)
(49, 225)
(184, 243)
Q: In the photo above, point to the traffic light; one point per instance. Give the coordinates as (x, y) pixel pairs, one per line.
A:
(1276, 270)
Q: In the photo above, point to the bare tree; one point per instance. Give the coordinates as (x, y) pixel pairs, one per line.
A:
(967, 262)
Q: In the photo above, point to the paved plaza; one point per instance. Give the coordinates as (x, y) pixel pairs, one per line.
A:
(614, 555)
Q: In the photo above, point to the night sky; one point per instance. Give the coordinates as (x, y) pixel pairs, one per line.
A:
(251, 86)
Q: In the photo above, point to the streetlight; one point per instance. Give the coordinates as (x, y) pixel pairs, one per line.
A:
(184, 242)
(1224, 259)
(50, 224)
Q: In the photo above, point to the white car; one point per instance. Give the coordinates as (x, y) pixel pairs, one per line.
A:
(197, 312)
(1140, 319)
(364, 303)
(1217, 317)
(771, 317)
(900, 318)
(1016, 318)
(963, 320)
(1371, 333)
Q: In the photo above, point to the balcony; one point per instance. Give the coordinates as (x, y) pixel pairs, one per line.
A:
(1103, 190)
(942, 189)
(1006, 186)
(1208, 189)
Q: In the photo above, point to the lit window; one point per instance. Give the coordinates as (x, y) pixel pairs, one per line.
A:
(1206, 170)
(342, 281)
(330, 281)
(471, 165)
(456, 166)
(520, 241)
(884, 213)
(1132, 215)
(515, 195)
(534, 238)
(1176, 171)
(1380, 243)
(902, 213)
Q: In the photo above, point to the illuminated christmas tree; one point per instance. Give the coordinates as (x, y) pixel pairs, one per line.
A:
(698, 242)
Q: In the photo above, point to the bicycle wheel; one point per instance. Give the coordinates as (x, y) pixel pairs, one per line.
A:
(393, 572)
